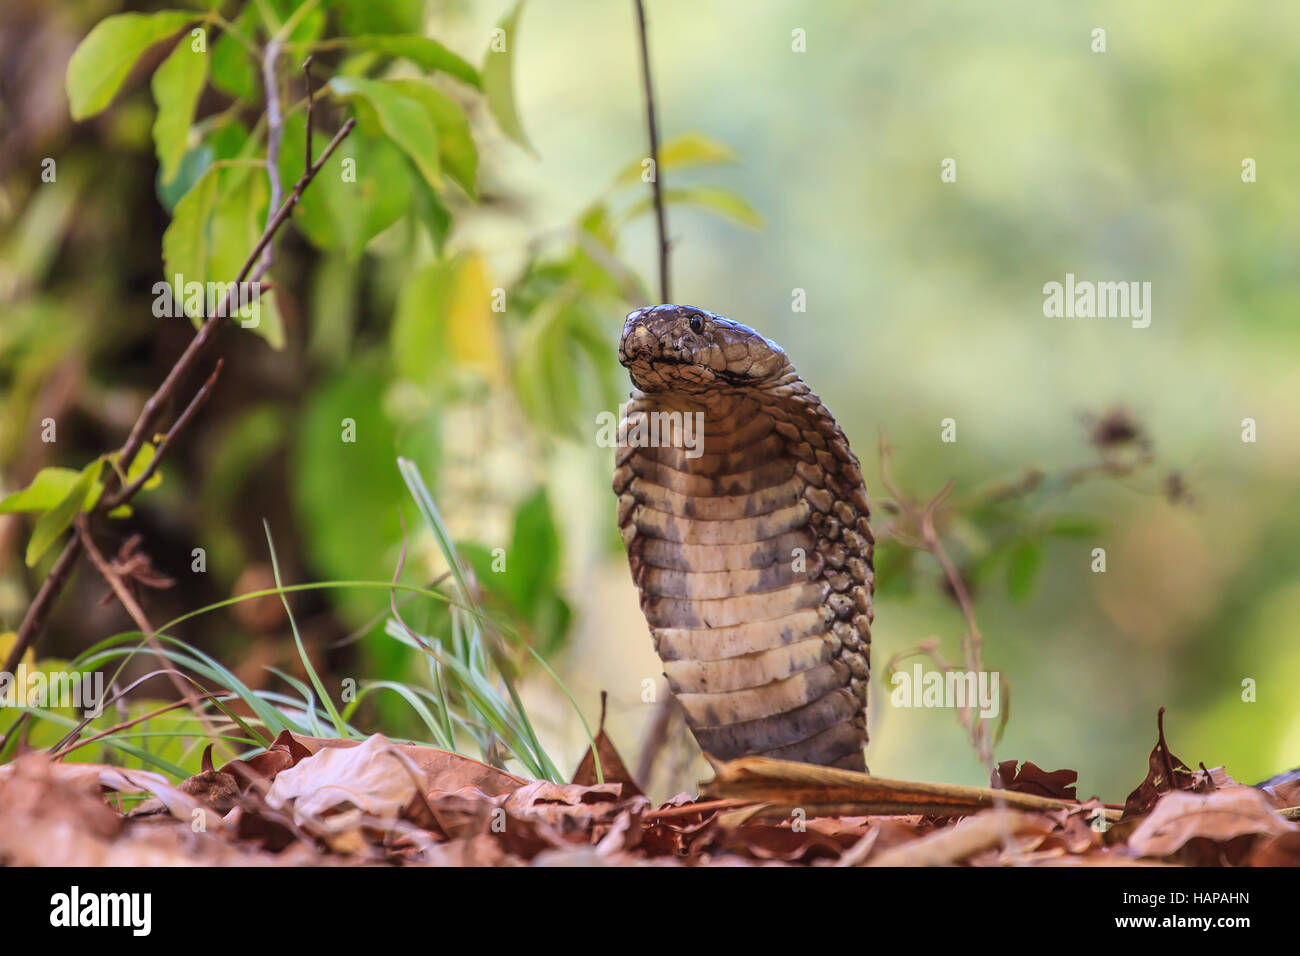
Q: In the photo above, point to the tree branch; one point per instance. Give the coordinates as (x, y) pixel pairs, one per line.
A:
(661, 222)
(197, 402)
(57, 578)
(275, 131)
(972, 640)
(133, 608)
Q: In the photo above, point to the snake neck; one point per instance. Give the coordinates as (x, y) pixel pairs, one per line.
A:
(750, 549)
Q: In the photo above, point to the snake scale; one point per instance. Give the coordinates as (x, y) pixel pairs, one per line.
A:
(751, 549)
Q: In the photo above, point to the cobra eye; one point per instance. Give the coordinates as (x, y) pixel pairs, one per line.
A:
(697, 323)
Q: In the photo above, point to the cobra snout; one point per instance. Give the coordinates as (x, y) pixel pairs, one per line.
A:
(637, 341)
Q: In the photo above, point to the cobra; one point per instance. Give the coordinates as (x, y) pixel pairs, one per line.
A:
(753, 554)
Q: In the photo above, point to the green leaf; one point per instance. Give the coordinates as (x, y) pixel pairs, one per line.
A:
(228, 140)
(214, 227)
(362, 189)
(545, 367)
(713, 198)
(444, 318)
(185, 244)
(143, 459)
(403, 119)
(498, 78)
(51, 525)
(347, 494)
(335, 283)
(431, 211)
(310, 23)
(426, 53)
(51, 486)
(48, 488)
(105, 57)
(314, 214)
(589, 335)
(233, 70)
(419, 334)
(456, 149)
(1068, 526)
(237, 220)
(682, 152)
(176, 87)
(596, 220)
(1022, 569)
(270, 323)
(534, 555)
(192, 166)
(362, 17)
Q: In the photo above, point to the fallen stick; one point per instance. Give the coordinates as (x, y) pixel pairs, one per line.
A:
(826, 791)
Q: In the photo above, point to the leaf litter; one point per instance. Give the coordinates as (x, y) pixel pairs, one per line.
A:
(315, 801)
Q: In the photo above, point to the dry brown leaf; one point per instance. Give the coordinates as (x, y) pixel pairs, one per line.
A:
(1220, 817)
(678, 828)
(119, 779)
(1074, 831)
(285, 752)
(446, 770)
(54, 814)
(1282, 790)
(215, 789)
(611, 764)
(1280, 850)
(968, 837)
(1031, 778)
(1165, 773)
(374, 777)
(821, 838)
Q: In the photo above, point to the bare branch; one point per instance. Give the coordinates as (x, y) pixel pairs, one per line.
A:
(311, 98)
(50, 589)
(274, 132)
(661, 223)
(191, 409)
(55, 581)
(133, 608)
(84, 741)
(656, 736)
(972, 640)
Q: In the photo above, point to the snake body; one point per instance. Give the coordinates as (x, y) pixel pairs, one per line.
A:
(751, 550)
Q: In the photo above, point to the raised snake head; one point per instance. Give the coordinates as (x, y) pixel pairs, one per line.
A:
(682, 348)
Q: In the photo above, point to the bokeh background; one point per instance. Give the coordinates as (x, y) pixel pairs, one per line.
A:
(924, 302)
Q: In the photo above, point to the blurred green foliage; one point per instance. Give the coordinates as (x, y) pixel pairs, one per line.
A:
(924, 301)
(409, 324)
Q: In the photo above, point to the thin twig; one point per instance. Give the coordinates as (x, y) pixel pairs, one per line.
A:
(275, 131)
(78, 744)
(133, 608)
(930, 648)
(972, 641)
(200, 397)
(656, 736)
(118, 696)
(311, 96)
(50, 589)
(54, 583)
(661, 222)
